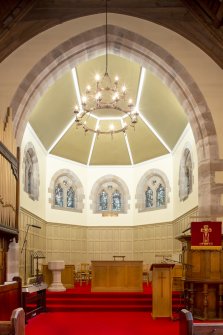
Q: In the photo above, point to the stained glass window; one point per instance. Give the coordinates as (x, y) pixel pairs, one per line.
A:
(58, 195)
(149, 197)
(29, 179)
(116, 201)
(66, 192)
(103, 201)
(160, 196)
(70, 198)
(185, 175)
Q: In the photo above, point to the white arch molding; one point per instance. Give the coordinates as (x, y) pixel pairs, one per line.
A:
(125, 43)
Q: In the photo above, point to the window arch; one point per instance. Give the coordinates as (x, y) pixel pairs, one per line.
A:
(185, 174)
(66, 191)
(152, 191)
(110, 195)
(31, 172)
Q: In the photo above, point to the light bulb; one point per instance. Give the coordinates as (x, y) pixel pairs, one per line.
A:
(123, 88)
(111, 127)
(97, 77)
(116, 79)
(88, 88)
(84, 99)
(130, 103)
(76, 109)
(98, 96)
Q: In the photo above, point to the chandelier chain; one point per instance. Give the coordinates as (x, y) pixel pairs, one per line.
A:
(106, 96)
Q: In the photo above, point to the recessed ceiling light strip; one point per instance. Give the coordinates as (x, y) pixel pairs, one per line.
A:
(76, 86)
(128, 146)
(154, 132)
(61, 135)
(93, 142)
(141, 82)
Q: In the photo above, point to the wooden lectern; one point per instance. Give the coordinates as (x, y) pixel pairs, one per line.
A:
(161, 290)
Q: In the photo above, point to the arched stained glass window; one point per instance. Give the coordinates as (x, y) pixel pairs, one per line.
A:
(31, 172)
(116, 201)
(110, 196)
(103, 201)
(66, 191)
(160, 196)
(149, 197)
(58, 195)
(185, 175)
(152, 191)
(70, 198)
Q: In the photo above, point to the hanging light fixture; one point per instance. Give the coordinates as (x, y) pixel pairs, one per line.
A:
(106, 97)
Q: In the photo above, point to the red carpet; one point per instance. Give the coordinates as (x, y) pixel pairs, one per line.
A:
(81, 299)
(109, 323)
(78, 310)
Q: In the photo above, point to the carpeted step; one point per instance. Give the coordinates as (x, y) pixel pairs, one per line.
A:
(81, 299)
(98, 301)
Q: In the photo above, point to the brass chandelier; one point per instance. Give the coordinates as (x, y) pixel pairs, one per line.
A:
(106, 97)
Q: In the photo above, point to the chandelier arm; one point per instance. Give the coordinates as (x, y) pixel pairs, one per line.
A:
(99, 132)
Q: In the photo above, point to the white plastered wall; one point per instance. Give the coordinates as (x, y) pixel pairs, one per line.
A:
(49, 165)
(37, 207)
(181, 207)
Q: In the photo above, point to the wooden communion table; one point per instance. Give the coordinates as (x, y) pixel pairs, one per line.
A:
(117, 276)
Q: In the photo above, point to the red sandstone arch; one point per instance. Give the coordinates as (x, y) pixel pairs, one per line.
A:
(133, 46)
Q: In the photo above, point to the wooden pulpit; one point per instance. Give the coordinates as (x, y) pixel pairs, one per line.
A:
(161, 290)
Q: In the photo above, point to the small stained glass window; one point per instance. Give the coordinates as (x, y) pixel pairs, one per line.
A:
(160, 196)
(58, 195)
(29, 179)
(116, 201)
(103, 201)
(70, 198)
(149, 197)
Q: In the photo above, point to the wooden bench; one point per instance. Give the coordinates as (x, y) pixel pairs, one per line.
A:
(16, 326)
(188, 327)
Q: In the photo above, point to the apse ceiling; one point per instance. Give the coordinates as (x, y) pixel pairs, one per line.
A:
(161, 119)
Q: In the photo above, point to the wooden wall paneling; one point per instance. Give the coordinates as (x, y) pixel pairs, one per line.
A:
(80, 244)
(215, 265)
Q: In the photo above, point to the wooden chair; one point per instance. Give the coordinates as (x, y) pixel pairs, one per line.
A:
(83, 273)
(145, 273)
(16, 326)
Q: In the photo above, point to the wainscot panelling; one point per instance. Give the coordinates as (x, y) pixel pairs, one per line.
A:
(75, 244)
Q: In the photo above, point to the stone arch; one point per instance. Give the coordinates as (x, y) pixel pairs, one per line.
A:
(78, 188)
(140, 203)
(113, 180)
(128, 44)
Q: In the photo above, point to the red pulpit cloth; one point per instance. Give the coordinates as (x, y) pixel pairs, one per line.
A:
(206, 235)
